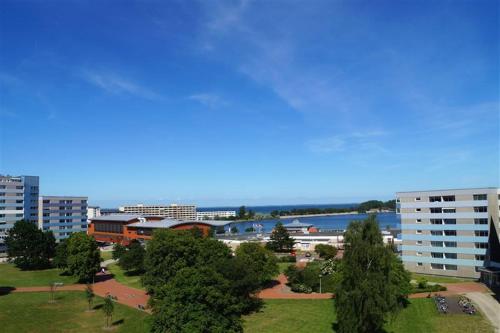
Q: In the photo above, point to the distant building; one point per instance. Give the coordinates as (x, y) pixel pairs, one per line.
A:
(110, 211)
(123, 228)
(213, 215)
(93, 211)
(451, 232)
(297, 226)
(178, 212)
(18, 201)
(63, 215)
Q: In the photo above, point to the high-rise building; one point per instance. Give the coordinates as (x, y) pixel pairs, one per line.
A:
(63, 215)
(177, 212)
(93, 211)
(18, 201)
(450, 232)
(214, 215)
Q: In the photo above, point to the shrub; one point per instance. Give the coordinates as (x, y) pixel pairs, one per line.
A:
(422, 284)
(287, 259)
(301, 288)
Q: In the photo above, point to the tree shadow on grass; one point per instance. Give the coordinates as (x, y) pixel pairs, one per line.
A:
(97, 307)
(6, 290)
(118, 322)
(133, 273)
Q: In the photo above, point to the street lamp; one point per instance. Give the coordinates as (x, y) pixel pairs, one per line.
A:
(320, 276)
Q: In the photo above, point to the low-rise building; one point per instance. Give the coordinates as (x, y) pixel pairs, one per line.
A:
(93, 211)
(297, 226)
(214, 215)
(123, 228)
(63, 215)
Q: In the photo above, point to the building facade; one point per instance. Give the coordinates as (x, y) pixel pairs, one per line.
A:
(18, 201)
(214, 215)
(177, 212)
(123, 228)
(446, 232)
(93, 211)
(63, 215)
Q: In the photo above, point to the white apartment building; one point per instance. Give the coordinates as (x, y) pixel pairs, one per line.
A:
(93, 211)
(214, 215)
(174, 211)
(63, 215)
(450, 232)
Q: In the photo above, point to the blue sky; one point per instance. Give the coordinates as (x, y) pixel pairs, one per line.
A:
(249, 102)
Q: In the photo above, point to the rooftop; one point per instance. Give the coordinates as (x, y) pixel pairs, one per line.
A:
(117, 217)
(169, 223)
(297, 224)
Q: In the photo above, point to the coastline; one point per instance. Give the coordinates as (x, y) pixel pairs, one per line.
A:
(315, 215)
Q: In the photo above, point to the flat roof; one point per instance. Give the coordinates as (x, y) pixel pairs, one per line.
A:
(169, 223)
(452, 189)
(117, 217)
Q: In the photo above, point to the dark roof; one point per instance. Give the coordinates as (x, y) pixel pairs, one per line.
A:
(169, 223)
(117, 217)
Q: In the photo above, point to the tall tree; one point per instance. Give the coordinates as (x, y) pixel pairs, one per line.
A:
(326, 251)
(280, 240)
(61, 257)
(84, 258)
(259, 259)
(242, 212)
(373, 283)
(28, 247)
(133, 258)
(118, 251)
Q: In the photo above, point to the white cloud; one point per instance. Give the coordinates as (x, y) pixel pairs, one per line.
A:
(208, 100)
(365, 141)
(115, 84)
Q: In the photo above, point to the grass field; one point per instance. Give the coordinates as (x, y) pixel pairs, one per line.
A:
(106, 255)
(10, 276)
(121, 276)
(31, 312)
(439, 279)
(303, 316)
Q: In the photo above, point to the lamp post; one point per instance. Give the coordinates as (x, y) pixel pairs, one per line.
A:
(320, 276)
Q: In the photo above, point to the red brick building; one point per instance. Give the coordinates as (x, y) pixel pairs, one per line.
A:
(123, 228)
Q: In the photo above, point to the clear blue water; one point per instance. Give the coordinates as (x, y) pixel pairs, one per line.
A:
(269, 209)
(336, 222)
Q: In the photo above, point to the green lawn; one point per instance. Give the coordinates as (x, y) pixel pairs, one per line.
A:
(31, 312)
(106, 255)
(282, 316)
(282, 266)
(10, 276)
(439, 279)
(121, 276)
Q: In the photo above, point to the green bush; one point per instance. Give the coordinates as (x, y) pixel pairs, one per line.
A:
(309, 277)
(301, 288)
(427, 288)
(422, 284)
(287, 259)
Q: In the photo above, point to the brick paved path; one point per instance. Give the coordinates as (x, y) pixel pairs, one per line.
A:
(282, 291)
(456, 289)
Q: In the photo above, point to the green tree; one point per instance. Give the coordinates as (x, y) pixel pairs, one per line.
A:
(280, 240)
(373, 283)
(60, 259)
(84, 258)
(89, 295)
(28, 247)
(118, 251)
(196, 300)
(250, 229)
(326, 251)
(259, 259)
(234, 230)
(242, 213)
(275, 213)
(108, 308)
(133, 258)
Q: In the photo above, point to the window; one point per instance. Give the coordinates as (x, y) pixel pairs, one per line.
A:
(480, 257)
(437, 255)
(418, 209)
(419, 242)
(437, 232)
(419, 264)
(480, 221)
(419, 254)
(435, 199)
(480, 197)
(116, 228)
(419, 220)
(481, 233)
(450, 232)
(480, 209)
(436, 221)
(438, 210)
(417, 199)
(449, 198)
(437, 266)
(450, 221)
(450, 255)
(450, 267)
(46, 201)
(450, 244)
(436, 244)
(419, 232)
(481, 245)
(449, 210)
